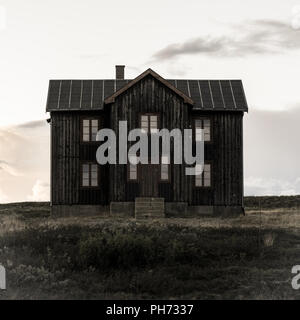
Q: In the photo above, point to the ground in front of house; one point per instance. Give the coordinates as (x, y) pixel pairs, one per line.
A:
(89, 257)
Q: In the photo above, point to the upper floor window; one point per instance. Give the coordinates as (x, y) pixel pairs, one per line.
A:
(204, 179)
(90, 127)
(204, 124)
(90, 175)
(149, 123)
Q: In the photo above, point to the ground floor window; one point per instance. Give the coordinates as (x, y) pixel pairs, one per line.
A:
(132, 169)
(132, 174)
(204, 179)
(89, 175)
(164, 168)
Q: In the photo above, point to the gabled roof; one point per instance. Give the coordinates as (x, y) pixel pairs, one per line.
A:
(149, 71)
(207, 95)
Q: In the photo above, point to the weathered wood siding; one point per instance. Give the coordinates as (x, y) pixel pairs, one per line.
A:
(67, 154)
(224, 152)
(148, 96)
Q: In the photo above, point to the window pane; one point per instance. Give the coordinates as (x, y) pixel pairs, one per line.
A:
(85, 182)
(164, 176)
(132, 160)
(94, 175)
(86, 137)
(207, 175)
(133, 175)
(206, 130)
(165, 160)
(94, 182)
(206, 182)
(95, 123)
(207, 168)
(164, 172)
(94, 168)
(206, 123)
(206, 136)
(198, 124)
(85, 175)
(144, 126)
(144, 118)
(86, 130)
(94, 133)
(198, 180)
(199, 134)
(132, 172)
(153, 123)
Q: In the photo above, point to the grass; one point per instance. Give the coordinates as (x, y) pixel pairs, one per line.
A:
(246, 257)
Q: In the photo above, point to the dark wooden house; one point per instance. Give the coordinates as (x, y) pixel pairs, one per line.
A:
(79, 108)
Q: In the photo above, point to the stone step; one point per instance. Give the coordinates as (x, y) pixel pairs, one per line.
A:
(148, 200)
(149, 207)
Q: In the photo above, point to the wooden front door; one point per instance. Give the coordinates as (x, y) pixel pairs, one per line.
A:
(148, 180)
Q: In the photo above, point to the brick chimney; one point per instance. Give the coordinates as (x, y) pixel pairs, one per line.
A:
(120, 72)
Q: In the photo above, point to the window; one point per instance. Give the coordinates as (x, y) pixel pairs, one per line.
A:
(132, 172)
(164, 168)
(90, 176)
(90, 127)
(144, 124)
(204, 179)
(203, 124)
(149, 123)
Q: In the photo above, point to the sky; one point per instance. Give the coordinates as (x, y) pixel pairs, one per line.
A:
(257, 41)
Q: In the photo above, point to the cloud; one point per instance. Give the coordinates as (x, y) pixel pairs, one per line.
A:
(5, 166)
(24, 160)
(271, 157)
(32, 124)
(40, 191)
(255, 37)
(3, 197)
(271, 152)
(271, 186)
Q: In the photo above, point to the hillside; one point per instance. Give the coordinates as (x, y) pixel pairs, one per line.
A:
(246, 257)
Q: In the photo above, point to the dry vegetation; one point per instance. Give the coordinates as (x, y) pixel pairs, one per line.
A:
(247, 257)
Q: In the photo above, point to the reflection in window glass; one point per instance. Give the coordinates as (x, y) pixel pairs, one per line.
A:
(90, 128)
(204, 179)
(132, 172)
(164, 168)
(203, 124)
(89, 175)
